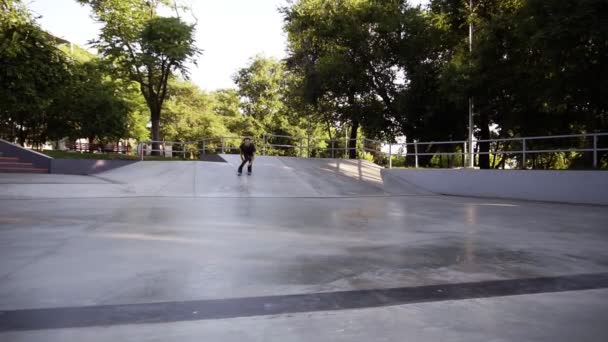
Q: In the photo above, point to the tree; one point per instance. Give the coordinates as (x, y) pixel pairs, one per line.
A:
(563, 47)
(139, 115)
(261, 90)
(33, 73)
(368, 63)
(148, 48)
(264, 91)
(532, 67)
(397, 69)
(227, 105)
(190, 115)
(324, 40)
(260, 87)
(92, 107)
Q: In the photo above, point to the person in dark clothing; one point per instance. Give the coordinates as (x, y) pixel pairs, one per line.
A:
(247, 155)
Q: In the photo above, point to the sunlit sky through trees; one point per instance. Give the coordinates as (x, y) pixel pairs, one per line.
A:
(229, 31)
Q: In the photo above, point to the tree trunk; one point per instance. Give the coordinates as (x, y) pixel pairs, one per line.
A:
(592, 123)
(352, 143)
(425, 161)
(91, 141)
(329, 130)
(155, 116)
(588, 156)
(550, 161)
(21, 135)
(484, 147)
(495, 157)
(502, 163)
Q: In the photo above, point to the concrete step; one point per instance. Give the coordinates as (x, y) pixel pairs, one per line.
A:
(9, 159)
(22, 170)
(15, 165)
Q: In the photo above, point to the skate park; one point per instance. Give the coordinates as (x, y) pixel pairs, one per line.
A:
(305, 248)
(303, 170)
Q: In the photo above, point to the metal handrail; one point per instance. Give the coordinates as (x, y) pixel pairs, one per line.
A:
(349, 146)
(582, 135)
(283, 136)
(435, 143)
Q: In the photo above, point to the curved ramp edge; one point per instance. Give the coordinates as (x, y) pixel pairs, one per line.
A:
(574, 187)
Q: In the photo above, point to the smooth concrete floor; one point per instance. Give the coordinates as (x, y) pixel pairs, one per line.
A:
(564, 317)
(179, 243)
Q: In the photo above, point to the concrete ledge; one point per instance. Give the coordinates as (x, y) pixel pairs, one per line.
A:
(579, 187)
(37, 159)
(86, 166)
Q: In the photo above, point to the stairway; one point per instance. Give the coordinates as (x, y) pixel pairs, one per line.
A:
(14, 165)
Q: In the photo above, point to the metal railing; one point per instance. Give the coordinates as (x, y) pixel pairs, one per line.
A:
(274, 144)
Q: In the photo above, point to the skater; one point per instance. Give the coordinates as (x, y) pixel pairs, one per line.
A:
(247, 155)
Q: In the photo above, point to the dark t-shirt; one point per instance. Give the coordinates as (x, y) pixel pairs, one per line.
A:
(248, 150)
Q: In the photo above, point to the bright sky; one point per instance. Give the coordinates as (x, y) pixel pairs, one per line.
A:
(229, 31)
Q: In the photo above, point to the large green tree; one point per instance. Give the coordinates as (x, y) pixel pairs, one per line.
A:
(563, 46)
(91, 107)
(261, 87)
(148, 48)
(264, 92)
(375, 65)
(532, 68)
(327, 45)
(190, 115)
(33, 73)
(227, 105)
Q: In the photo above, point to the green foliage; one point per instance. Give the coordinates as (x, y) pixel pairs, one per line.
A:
(32, 73)
(189, 114)
(366, 156)
(147, 48)
(329, 55)
(139, 115)
(76, 53)
(354, 68)
(399, 70)
(369, 63)
(93, 107)
(167, 41)
(261, 86)
(52, 89)
(263, 89)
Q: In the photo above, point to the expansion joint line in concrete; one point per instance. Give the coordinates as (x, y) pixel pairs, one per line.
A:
(107, 315)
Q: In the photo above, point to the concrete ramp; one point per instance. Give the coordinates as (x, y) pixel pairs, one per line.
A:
(272, 177)
(338, 177)
(323, 177)
(208, 179)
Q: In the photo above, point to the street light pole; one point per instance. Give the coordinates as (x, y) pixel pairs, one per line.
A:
(471, 153)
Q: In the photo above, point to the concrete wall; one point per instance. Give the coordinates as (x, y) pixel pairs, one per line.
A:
(86, 166)
(583, 187)
(25, 155)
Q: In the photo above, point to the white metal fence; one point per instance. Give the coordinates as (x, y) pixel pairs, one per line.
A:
(519, 148)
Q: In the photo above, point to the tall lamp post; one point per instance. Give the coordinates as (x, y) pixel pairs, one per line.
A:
(471, 153)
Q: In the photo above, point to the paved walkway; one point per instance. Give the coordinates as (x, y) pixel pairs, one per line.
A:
(300, 251)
